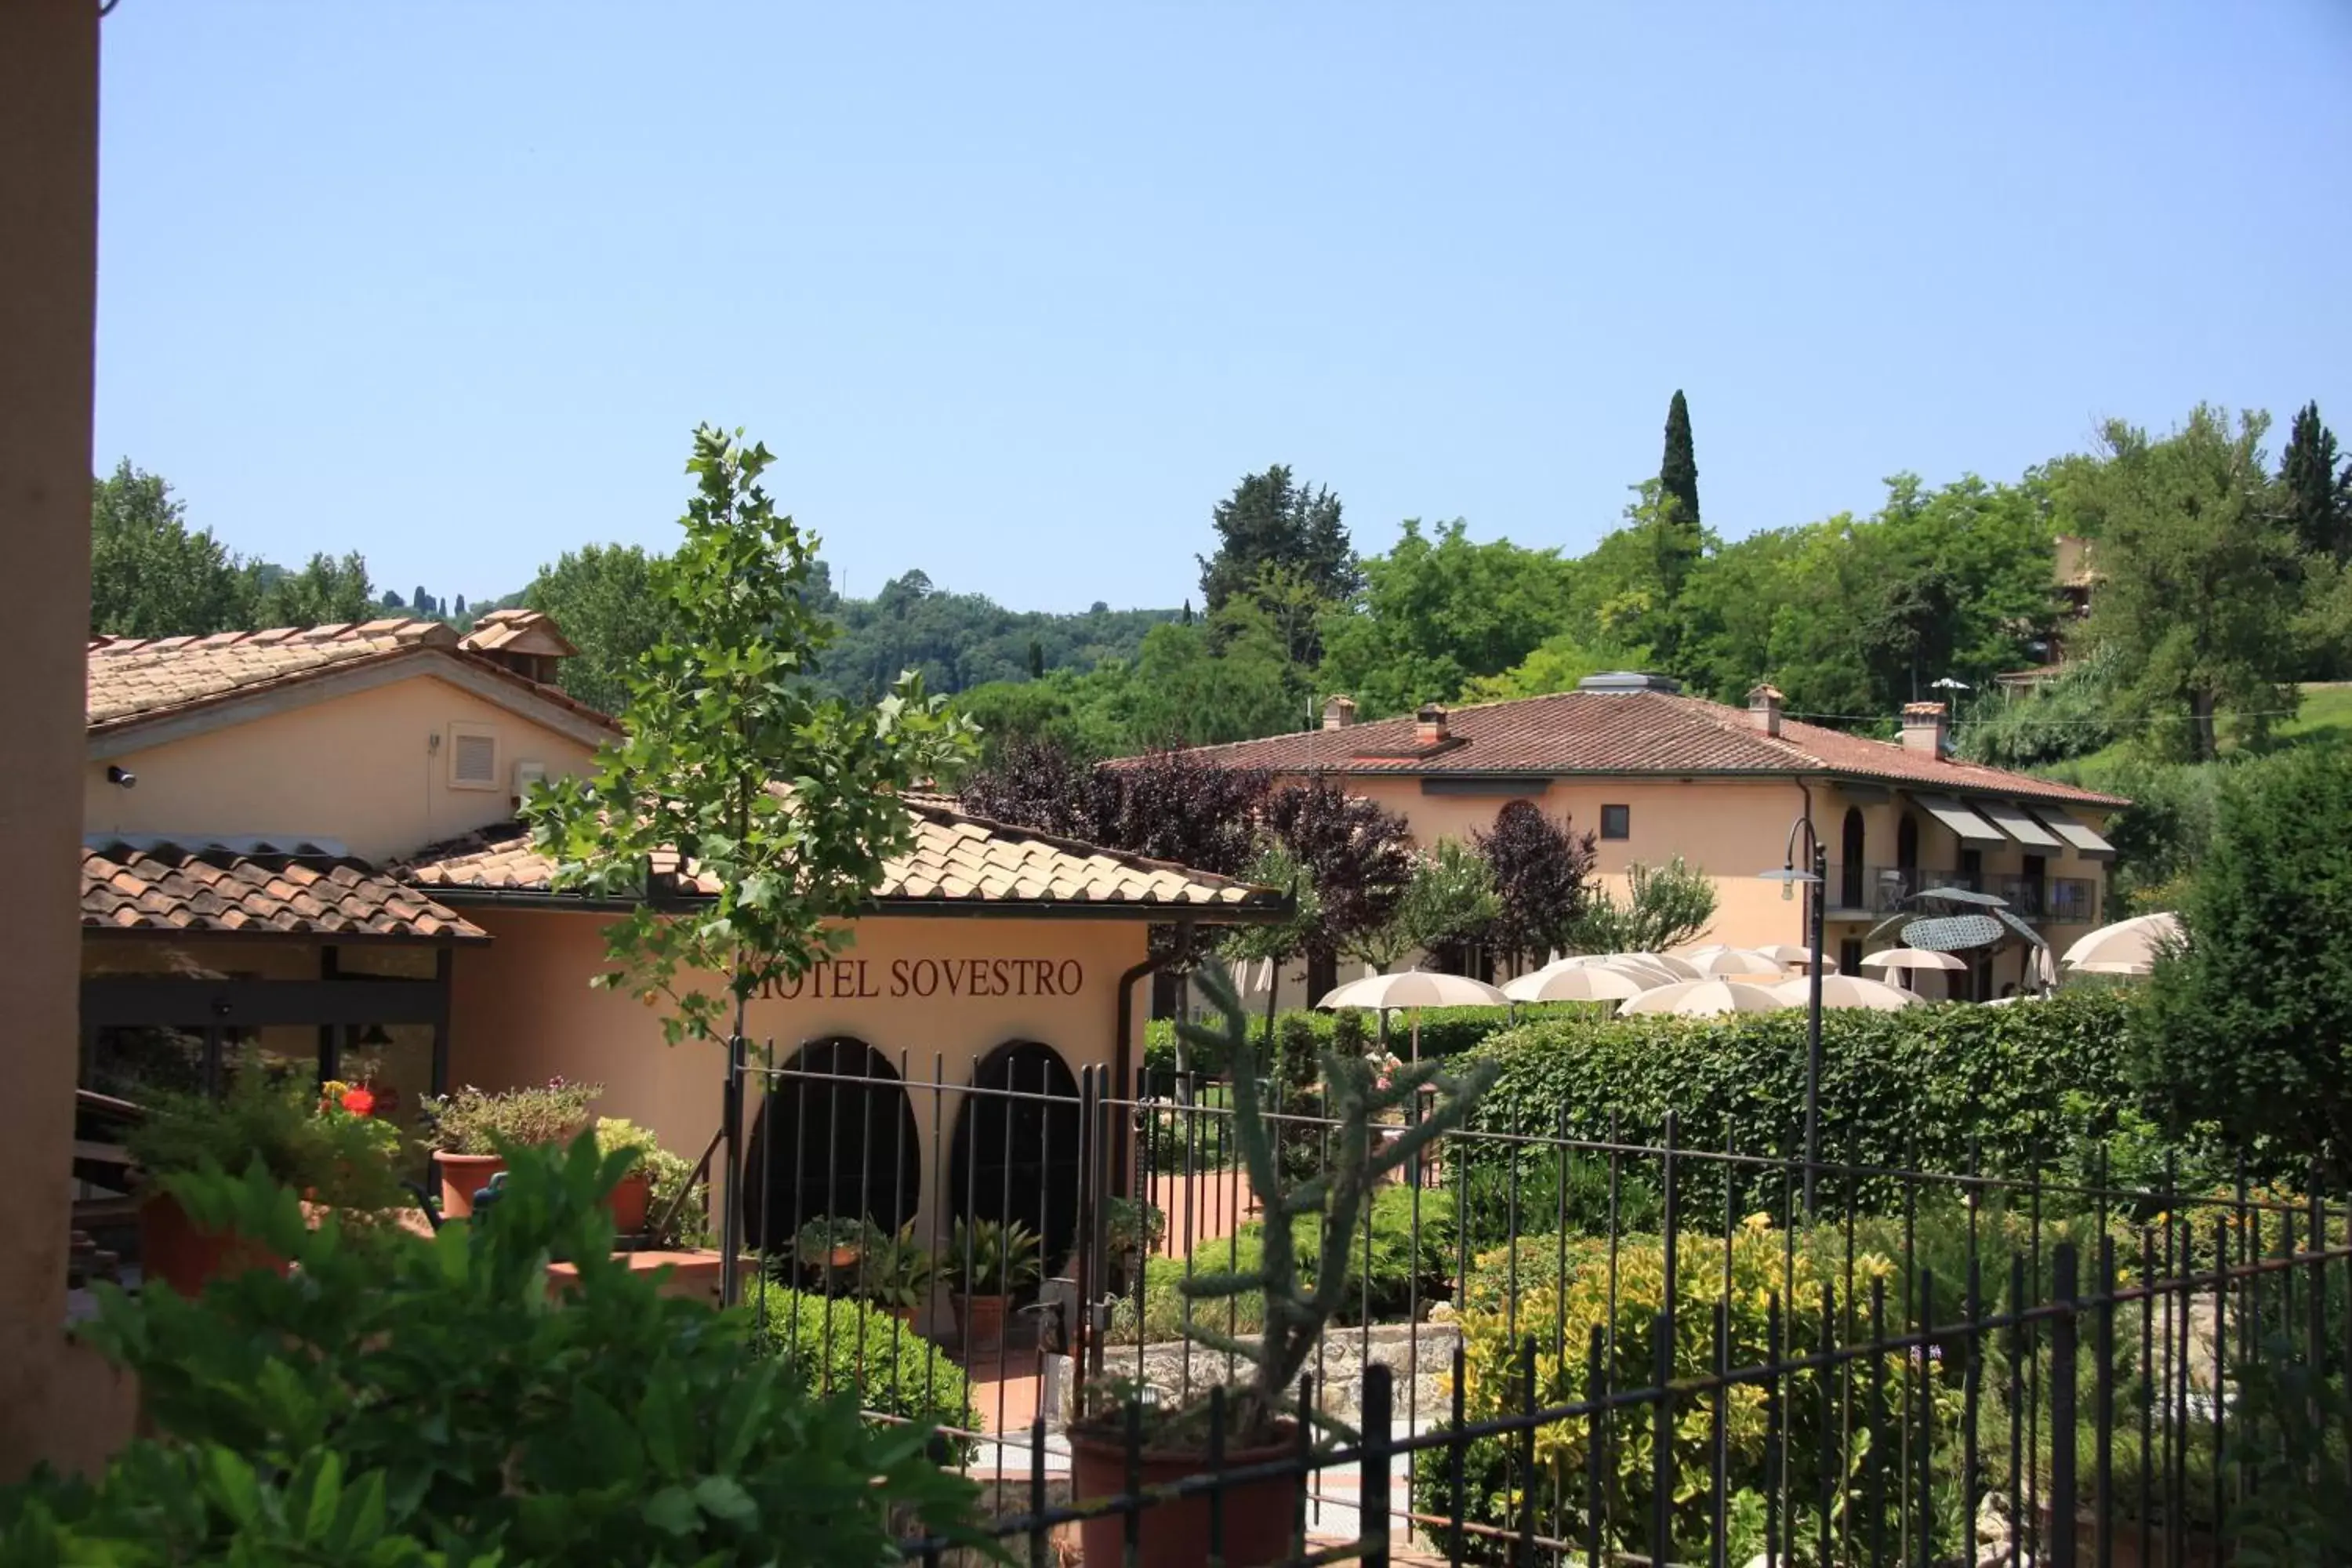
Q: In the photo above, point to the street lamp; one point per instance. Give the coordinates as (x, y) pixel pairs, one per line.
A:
(1816, 882)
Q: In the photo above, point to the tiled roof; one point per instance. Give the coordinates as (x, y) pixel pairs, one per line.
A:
(956, 858)
(1606, 732)
(146, 886)
(528, 631)
(132, 679)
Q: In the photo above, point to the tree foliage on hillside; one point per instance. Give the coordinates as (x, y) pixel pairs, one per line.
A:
(2199, 599)
(603, 597)
(2250, 1025)
(152, 575)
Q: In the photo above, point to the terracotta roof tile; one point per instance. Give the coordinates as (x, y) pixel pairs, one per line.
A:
(955, 858)
(132, 679)
(1606, 732)
(154, 886)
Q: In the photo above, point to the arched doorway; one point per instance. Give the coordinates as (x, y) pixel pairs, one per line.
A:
(1015, 1154)
(1851, 854)
(836, 1137)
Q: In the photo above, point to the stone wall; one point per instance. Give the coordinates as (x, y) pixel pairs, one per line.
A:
(1178, 1370)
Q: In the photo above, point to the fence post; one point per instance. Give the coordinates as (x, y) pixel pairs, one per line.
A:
(2063, 1338)
(1088, 1263)
(1373, 1489)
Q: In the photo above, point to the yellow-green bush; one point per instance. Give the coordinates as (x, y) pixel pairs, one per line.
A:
(1835, 1447)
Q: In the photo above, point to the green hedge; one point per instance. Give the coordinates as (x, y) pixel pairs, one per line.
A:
(1927, 1088)
(832, 1343)
(1445, 1032)
(1410, 1264)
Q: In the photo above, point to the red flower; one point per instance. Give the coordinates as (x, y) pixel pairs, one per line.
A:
(360, 1101)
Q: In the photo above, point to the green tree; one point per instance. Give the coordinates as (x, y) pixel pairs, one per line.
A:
(2197, 599)
(1183, 694)
(2250, 1026)
(1271, 520)
(1665, 906)
(1450, 898)
(1629, 589)
(329, 590)
(1555, 664)
(1678, 471)
(602, 596)
(2318, 491)
(785, 802)
(1437, 611)
(150, 575)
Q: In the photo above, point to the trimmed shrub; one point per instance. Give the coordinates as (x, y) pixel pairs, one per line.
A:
(1409, 1264)
(1445, 1032)
(832, 1343)
(1563, 1317)
(1925, 1089)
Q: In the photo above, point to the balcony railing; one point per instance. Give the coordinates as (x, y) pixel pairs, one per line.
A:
(1880, 889)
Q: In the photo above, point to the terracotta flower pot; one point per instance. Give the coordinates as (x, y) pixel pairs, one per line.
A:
(171, 1248)
(631, 1196)
(980, 1321)
(463, 1175)
(1258, 1516)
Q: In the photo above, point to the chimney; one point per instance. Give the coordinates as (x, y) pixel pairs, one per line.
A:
(1428, 726)
(1764, 708)
(1339, 712)
(1923, 728)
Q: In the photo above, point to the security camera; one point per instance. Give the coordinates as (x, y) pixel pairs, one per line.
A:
(123, 777)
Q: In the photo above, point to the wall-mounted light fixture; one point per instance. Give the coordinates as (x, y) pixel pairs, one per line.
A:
(121, 777)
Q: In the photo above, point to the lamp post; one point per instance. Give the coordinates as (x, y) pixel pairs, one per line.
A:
(1816, 883)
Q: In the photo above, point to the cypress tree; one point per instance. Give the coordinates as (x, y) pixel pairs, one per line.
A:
(1678, 474)
(2318, 493)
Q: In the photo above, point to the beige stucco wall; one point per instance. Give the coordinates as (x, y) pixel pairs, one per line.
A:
(363, 768)
(58, 1403)
(523, 1011)
(1732, 829)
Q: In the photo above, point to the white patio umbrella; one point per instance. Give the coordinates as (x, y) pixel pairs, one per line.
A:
(1715, 961)
(1847, 990)
(1912, 958)
(1703, 998)
(1790, 955)
(2127, 947)
(1581, 982)
(1647, 964)
(1414, 989)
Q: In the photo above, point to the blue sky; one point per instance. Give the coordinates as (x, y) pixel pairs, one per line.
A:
(1018, 292)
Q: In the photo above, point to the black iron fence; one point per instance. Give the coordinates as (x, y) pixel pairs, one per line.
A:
(1555, 1350)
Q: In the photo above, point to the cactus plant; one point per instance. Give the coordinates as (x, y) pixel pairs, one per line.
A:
(1357, 1160)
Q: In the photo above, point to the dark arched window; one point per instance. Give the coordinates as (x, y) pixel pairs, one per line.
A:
(1015, 1154)
(1850, 870)
(836, 1137)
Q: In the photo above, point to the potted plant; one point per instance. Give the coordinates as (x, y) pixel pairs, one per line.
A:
(1260, 1417)
(632, 1196)
(897, 1274)
(469, 1125)
(1133, 1229)
(832, 1246)
(989, 1261)
(328, 1148)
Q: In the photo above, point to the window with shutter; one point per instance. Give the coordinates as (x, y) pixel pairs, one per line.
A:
(472, 757)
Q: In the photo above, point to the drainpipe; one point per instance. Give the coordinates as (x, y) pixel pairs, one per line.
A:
(1111, 1165)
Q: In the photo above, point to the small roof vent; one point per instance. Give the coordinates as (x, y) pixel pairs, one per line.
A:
(1619, 682)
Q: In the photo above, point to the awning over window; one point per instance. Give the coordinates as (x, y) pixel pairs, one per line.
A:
(2014, 821)
(1972, 828)
(2079, 835)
